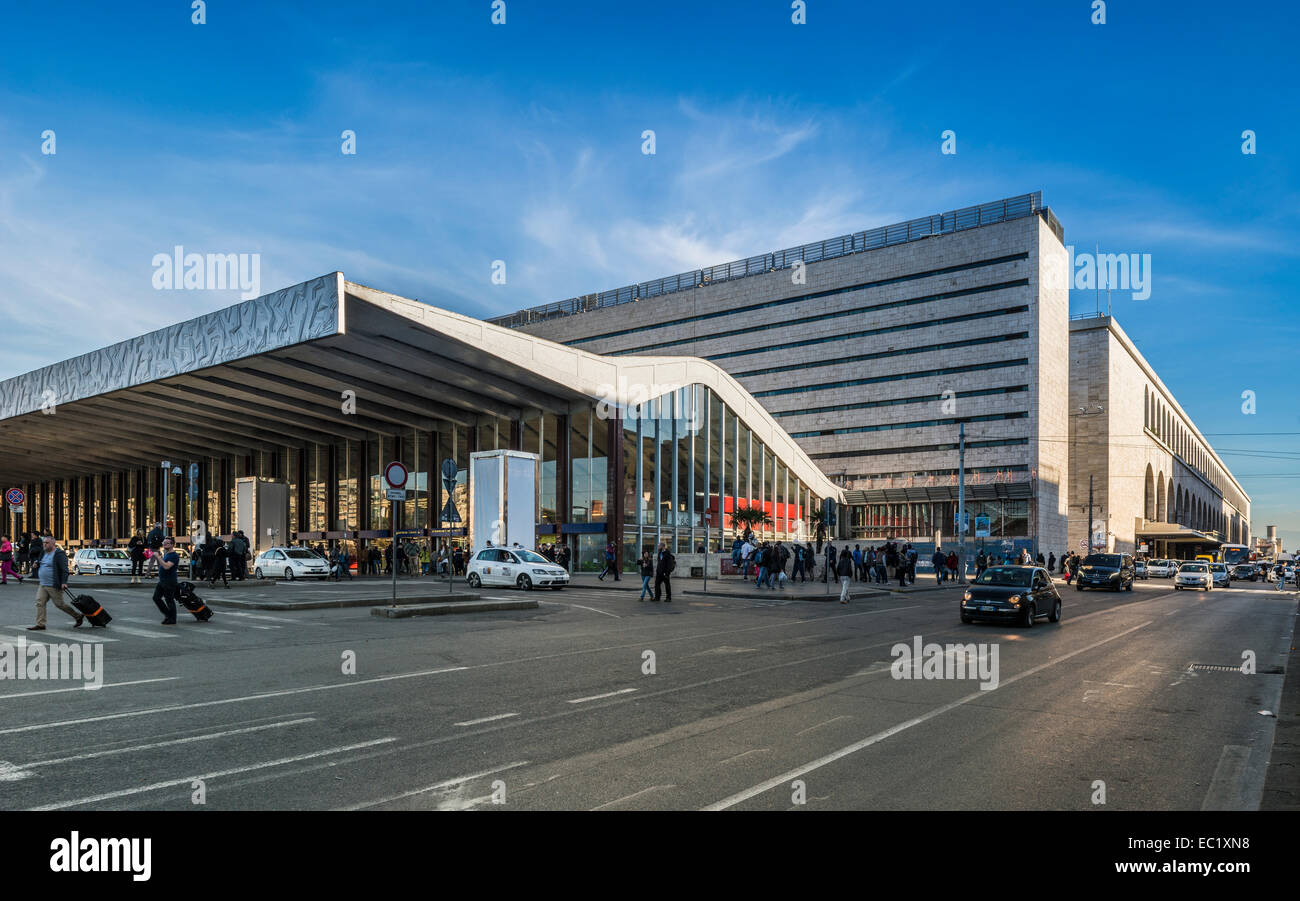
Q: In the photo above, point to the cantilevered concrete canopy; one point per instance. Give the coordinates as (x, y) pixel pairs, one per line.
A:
(271, 372)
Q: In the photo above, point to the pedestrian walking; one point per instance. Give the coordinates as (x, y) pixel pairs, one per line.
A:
(940, 561)
(845, 571)
(216, 564)
(646, 567)
(21, 552)
(664, 566)
(164, 594)
(611, 555)
(52, 582)
(135, 549)
(7, 561)
(830, 563)
(35, 550)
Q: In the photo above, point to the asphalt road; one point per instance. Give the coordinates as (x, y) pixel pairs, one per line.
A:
(751, 705)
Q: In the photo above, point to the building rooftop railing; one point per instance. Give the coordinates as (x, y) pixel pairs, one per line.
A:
(900, 233)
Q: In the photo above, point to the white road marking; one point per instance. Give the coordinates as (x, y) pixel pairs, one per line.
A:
(202, 627)
(271, 619)
(1227, 789)
(631, 796)
(487, 719)
(745, 754)
(270, 694)
(207, 777)
(55, 691)
(447, 784)
(95, 755)
(608, 694)
(51, 636)
(579, 606)
(819, 725)
(143, 633)
(867, 742)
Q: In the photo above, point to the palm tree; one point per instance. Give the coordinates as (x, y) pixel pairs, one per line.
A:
(751, 517)
(817, 517)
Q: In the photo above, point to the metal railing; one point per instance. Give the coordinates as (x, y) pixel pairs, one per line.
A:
(900, 233)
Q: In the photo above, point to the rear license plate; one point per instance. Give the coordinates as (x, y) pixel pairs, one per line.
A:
(987, 609)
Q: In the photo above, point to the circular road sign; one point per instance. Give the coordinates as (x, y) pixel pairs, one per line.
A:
(395, 474)
(1083, 543)
(16, 496)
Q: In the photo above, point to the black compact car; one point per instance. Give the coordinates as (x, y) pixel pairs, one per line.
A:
(1113, 571)
(1020, 593)
(1245, 571)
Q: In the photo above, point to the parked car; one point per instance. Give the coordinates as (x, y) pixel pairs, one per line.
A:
(101, 561)
(1140, 569)
(1222, 578)
(1113, 571)
(1021, 593)
(290, 563)
(1194, 574)
(516, 566)
(1163, 569)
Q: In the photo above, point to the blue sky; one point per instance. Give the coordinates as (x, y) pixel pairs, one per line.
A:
(522, 142)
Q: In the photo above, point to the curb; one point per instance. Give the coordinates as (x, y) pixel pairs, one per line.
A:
(328, 605)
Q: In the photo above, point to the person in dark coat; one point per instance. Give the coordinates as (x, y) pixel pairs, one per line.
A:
(216, 563)
(844, 569)
(665, 563)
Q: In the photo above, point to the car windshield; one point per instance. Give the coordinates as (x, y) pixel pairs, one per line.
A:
(1193, 568)
(1219, 568)
(113, 555)
(1111, 560)
(301, 554)
(530, 557)
(1006, 575)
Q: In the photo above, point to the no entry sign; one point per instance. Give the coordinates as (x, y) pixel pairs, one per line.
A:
(395, 474)
(16, 496)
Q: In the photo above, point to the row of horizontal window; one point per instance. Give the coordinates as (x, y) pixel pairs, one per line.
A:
(867, 333)
(823, 317)
(917, 424)
(900, 376)
(899, 401)
(880, 355)
(919, 449)
(815, 295)
(937, 473)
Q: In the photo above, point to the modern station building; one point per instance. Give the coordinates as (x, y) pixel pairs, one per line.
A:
(841, 369)
(873, 349)
(320, 385)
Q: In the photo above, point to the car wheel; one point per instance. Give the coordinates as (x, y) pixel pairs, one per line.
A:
(1028, 619)
(1130, 587)
(1178, 588)
(98, 571)
(967, 619)
(257, 573)
(1055, 615)
(523, 583)
(1078, 588)
(473, 580)
(288, 573)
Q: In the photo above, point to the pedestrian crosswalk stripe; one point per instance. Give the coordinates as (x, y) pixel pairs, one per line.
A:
(201, 627)
(143, 633)
(60, 635)
(273, 619)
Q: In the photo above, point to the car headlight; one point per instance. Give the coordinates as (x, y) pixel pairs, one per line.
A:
(966, 596)
(541, 572)
(1014, 600)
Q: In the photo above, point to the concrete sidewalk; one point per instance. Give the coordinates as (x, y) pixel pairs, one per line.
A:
(737, 587)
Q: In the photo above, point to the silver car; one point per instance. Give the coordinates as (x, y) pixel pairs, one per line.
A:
(1194, 575)
(290, 563)
(101, 561)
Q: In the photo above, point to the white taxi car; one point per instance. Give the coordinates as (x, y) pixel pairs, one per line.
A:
(1161, 569)
(290, 563)
(101, 561)
(1194, 575)
(514, 566)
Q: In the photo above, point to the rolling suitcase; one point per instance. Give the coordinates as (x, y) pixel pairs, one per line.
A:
(91, 609)
(192, 602)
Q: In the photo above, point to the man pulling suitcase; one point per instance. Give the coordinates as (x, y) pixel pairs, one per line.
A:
(164, 596)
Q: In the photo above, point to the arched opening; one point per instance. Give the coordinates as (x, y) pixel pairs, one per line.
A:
(1160, 498)
(1149, 496)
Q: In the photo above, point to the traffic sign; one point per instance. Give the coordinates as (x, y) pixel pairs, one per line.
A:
(395, 474)
(19, 509)
(16, 496)
(1083, 543)
(397, 494)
